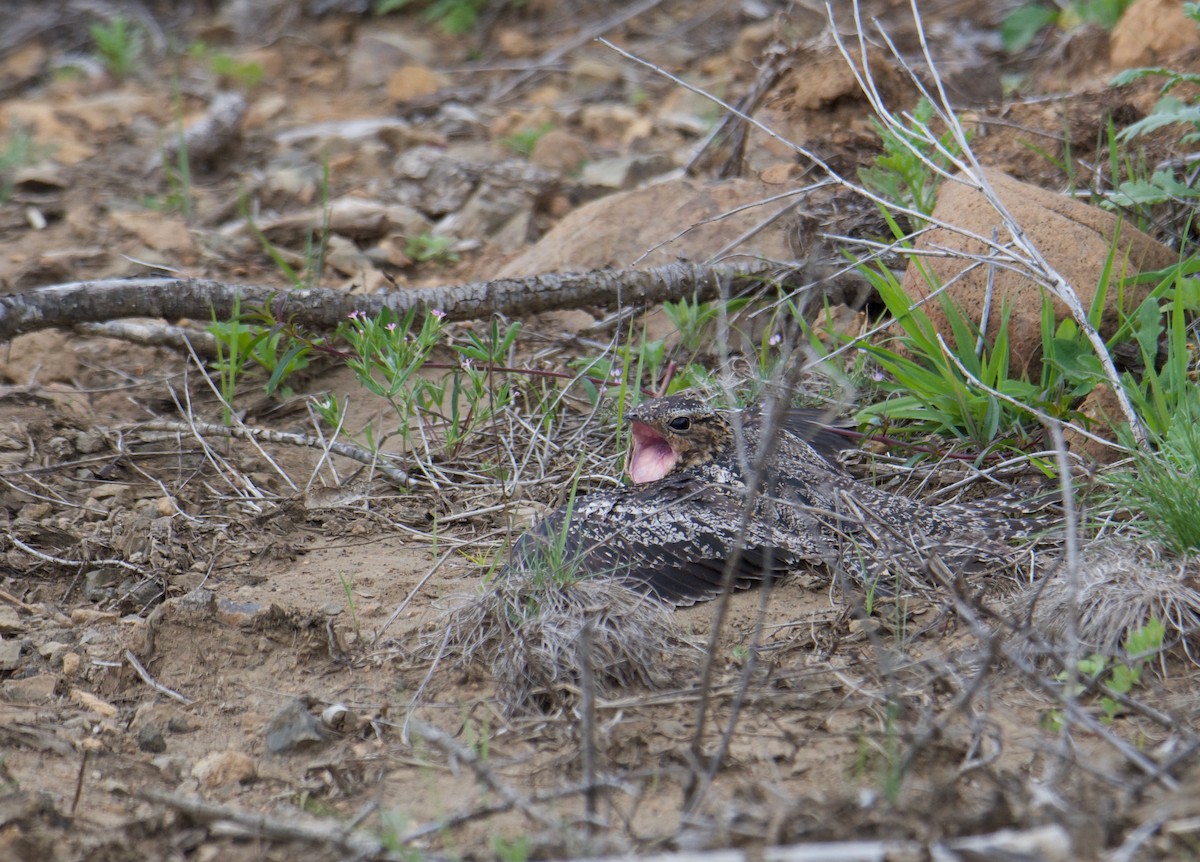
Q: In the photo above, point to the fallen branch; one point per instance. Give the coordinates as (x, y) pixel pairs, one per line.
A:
(323, 308)
(301, 828)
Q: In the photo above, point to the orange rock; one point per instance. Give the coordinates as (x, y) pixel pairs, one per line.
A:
(413, 82)
(1149, 31)
(1074, 238)
(559, 150)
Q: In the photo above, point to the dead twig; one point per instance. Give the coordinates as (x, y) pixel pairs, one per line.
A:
(152, 682)
(347, 450)
(302, 828)
(484, 773)
(177, 298)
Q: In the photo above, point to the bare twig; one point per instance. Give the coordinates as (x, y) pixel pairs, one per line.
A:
(152, 682)
(177, 298)
(483, 772)
(301, 828)
(62, 561)
(287, 438)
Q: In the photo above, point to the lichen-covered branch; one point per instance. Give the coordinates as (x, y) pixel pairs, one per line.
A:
(323, 308)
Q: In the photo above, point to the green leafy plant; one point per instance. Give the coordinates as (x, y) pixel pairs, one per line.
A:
(512, 849)
(1022, 25)
(244, 73)
(1163, 486)
(241, 341)
(1116, 678)
(1144, 187)
(348, 589)
(929, 390)
(315, 246)
(523, 142)
(386, 354)
(455, 17)
(904, 173)
(693, 320)
(431, 248)
(119, 44)
(18, 151)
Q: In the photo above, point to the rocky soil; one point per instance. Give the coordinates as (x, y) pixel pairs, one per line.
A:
(213, 648)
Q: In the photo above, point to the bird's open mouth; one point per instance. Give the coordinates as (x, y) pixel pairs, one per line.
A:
(651, 456)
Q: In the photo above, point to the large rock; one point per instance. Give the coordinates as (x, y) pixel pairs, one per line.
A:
(1073, 237)
(618, 229)
(1150, 31)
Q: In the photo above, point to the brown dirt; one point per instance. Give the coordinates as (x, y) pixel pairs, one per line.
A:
(851, 729)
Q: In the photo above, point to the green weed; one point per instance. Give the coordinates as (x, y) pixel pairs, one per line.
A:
(1163, 486)
(512, 850)
(119, 45)
(906, 173)
(348, 589)
(431, 248)
(523, 142)
(454, 17)
(19, 150)
(1022, 25)
(1116, 677)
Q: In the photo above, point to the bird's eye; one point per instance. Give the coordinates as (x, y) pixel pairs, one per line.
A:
(680, 423)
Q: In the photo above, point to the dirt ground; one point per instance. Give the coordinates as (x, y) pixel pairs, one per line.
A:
(206, 659)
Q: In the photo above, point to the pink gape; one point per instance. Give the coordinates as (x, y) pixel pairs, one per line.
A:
(651, 457)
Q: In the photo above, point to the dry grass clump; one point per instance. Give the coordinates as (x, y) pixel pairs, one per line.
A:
(1122, 585)
(526, 630)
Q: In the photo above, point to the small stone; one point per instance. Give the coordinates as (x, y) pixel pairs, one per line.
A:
(172, 767)
(559, 150)
(514, 42)
(150, 739)
(101, 584)
(53, 651)
(413, 82)
(294, 728)
(10, 654)
(70, 663)
(90, 442)
(87, 616)
(624, 172)
(31, 689)
(219, 768)
(587, 72)
(10, 621)
(607, 121)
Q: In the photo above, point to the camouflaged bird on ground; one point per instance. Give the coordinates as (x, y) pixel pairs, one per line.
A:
(712, 490)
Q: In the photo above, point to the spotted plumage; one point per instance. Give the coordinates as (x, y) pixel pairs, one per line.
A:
(712, 490)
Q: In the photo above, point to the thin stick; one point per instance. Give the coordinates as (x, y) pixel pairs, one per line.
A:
(61, 561)
(483, 772)
(87, 751)
(424, 580)
(152, 682)
(587, 720)
(284, 437)
(309, 830)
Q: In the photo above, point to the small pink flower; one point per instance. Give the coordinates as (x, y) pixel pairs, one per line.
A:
(775, 339)
(354, 315)
(437, 312)
(615, 374)
(391, 327)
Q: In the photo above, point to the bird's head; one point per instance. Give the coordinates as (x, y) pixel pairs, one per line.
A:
(672, 434)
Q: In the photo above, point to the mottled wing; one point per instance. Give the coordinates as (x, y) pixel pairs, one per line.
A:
(672, 538)
(819, 428)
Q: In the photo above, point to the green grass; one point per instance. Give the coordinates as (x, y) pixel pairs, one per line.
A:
(119, 45)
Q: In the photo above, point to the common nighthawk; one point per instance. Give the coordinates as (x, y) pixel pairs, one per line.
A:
(674, 531)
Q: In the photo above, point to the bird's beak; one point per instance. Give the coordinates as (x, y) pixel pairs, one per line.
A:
(650, 454)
